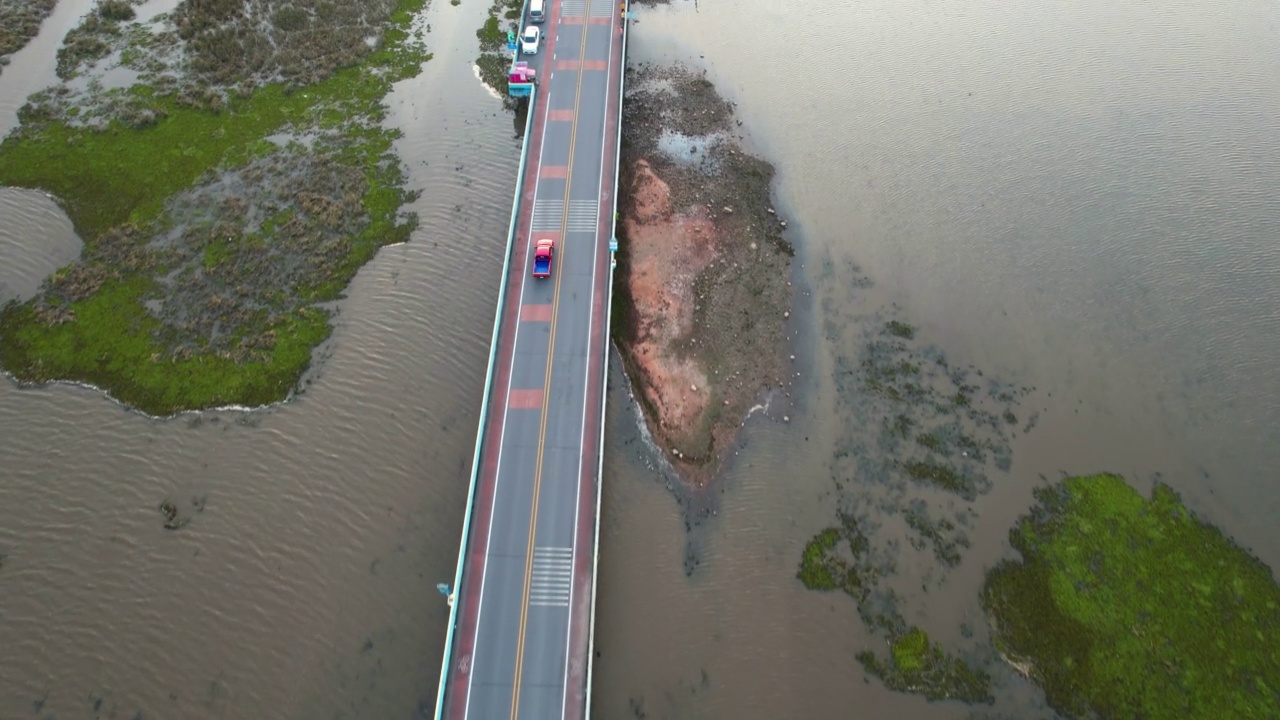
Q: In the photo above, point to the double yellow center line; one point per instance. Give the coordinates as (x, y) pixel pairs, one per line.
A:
(546, 385)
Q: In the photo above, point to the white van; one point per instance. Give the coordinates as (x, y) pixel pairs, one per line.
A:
(535, 10)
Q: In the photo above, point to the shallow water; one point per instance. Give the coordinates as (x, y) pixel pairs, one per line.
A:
(1076, 197)
(306, 586)
(1073, 197)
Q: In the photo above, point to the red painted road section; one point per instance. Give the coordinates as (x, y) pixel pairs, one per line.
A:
(535, 313)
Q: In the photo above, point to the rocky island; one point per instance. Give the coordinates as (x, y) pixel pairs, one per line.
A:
(703, 268)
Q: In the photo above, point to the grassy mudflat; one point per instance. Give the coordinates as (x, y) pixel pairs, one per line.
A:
(240, 183)
(19, 22)
(1128, 607)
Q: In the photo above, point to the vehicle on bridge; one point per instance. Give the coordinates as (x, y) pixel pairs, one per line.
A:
(521, 79)
(542, 258)
(529, 40)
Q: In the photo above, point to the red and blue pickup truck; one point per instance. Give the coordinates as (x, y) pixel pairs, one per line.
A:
(542, 258)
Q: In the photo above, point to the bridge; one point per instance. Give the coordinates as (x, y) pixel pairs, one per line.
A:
(522, 604)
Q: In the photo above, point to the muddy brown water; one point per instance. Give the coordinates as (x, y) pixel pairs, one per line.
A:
(1078, 197)
(306, 586)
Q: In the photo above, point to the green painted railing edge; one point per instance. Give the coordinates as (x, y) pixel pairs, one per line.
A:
(484, 412)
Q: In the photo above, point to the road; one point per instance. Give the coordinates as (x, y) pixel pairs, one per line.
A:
(525, 599)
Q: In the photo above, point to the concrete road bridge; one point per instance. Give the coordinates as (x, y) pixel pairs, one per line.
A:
(522, 604)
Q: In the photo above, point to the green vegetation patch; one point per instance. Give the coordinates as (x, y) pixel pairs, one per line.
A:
(897, 328)
(833, 560)
(913, 424)
(92, 39)
(495, 60)
(943, 476)
(1124, 607)
(297, 41)
(19, 22)
(920, 666)
(211, 236)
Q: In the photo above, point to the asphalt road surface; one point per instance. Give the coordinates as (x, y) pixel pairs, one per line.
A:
(523, 619)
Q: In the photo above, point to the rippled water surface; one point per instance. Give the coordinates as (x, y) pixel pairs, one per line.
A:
(1079, 196)
(1076, 196)
(305, 588)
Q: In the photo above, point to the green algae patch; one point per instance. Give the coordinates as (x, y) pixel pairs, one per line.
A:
(816, 569)
(835, 559)
(919, 666)
(212, 234)
(1125, 607)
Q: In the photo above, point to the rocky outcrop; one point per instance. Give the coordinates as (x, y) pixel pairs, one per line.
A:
(703, 269)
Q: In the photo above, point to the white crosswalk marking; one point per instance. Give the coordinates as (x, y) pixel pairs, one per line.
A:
(583, 215)
(547, 215)
(552, 577)
(603, 8)
(575, 8)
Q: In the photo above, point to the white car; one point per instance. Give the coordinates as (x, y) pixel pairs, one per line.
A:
(529, 40)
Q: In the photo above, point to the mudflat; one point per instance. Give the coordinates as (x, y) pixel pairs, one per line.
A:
(226, 167)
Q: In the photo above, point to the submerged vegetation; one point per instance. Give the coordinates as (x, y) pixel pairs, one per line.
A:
(1126, 607)
(495, 60)
(220, 202)
(922, 439)
(834, 560)
(917, 665)
(93, 38)
(840, 558)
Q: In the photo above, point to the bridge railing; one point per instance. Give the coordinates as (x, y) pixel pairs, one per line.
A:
(484, 412)
(604, 380)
